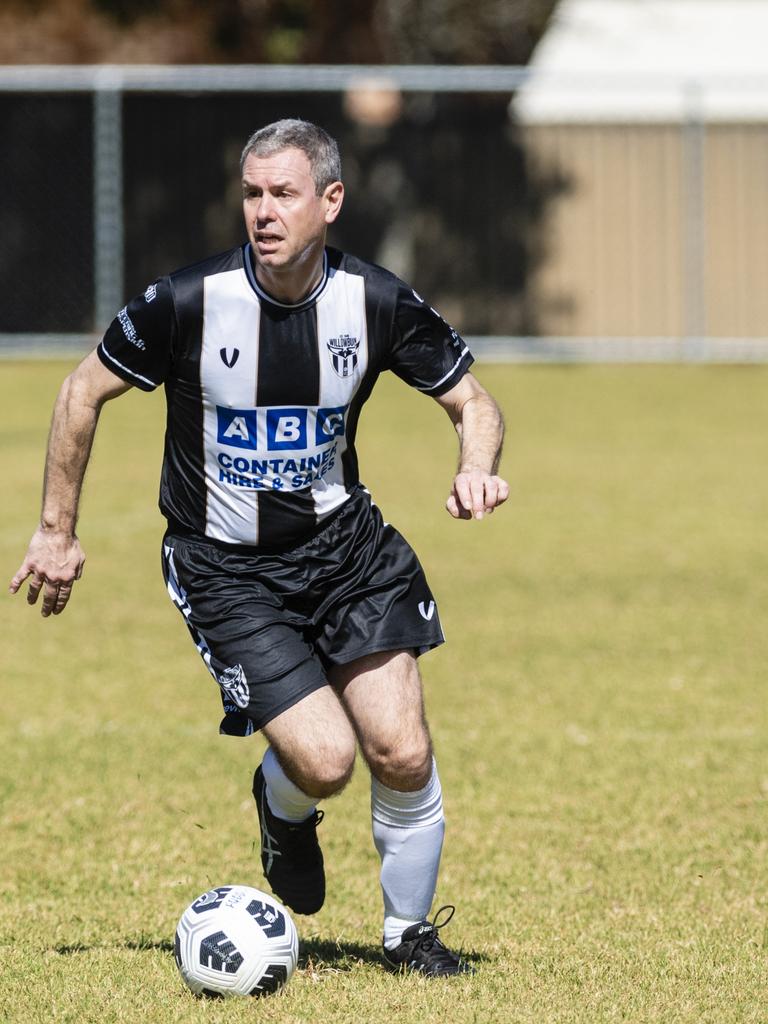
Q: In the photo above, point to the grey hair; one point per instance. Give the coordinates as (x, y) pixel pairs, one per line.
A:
(320, 148)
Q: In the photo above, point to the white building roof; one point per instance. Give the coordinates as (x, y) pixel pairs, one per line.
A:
(656, 60)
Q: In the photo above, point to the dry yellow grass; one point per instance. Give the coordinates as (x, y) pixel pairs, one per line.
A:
(599, 715)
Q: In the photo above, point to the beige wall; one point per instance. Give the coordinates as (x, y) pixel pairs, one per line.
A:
(621, 253)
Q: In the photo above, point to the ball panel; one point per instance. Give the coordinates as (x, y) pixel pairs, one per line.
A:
(268, 918)
(210, 900)
(273, 978)
(218, 952)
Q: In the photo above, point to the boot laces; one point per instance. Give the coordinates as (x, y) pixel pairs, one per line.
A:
(301, 836)
(429, 938)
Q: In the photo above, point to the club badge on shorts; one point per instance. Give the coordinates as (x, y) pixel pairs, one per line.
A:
(343, 352)
(235, 685)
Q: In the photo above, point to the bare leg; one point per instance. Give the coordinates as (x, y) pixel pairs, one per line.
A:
(314, 743)
(311, 756)
(383, 697)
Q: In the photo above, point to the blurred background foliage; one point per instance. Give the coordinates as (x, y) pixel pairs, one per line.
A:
(271, 31)
(440, 189)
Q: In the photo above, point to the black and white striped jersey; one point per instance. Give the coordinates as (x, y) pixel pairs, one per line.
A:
(263, 397)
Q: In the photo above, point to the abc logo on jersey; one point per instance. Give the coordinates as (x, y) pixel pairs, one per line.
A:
(279, 429)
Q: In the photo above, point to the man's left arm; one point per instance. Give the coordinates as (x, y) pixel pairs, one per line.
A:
(476, 489)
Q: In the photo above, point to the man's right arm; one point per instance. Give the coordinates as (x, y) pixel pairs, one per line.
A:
(54, 559)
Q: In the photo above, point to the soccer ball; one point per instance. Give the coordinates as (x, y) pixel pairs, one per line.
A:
(236, 941)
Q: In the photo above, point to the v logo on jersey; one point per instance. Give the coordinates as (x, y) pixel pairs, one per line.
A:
(426, 612)
(229, 360)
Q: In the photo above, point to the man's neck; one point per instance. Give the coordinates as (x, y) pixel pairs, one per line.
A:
(293, 284)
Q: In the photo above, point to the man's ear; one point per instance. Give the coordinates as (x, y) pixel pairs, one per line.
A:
(333, 198)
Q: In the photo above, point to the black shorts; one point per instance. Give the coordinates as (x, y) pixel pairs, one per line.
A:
(269, 626)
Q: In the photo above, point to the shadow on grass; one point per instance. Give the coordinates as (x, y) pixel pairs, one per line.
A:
(314, 954)
(325, 955)
(163, 945)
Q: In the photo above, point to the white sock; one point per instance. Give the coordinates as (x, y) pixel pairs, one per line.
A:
(284, 797)
(408, 831)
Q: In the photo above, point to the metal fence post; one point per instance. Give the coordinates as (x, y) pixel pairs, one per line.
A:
(108, 230)
(694, 233)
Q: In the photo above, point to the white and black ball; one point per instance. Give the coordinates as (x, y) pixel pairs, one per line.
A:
(236, 941)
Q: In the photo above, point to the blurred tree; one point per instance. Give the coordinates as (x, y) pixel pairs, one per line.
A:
(465, 32)
(439, 186)
(271, 31)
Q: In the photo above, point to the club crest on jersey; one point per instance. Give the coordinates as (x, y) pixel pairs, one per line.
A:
(343, 351)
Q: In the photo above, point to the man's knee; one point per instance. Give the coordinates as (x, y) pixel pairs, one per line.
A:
(326, 770)
(404, 764)
(382, 694)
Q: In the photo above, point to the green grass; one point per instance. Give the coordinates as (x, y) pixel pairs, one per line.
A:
(599, 715)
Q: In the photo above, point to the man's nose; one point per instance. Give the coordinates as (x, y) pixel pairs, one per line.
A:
(265, 208)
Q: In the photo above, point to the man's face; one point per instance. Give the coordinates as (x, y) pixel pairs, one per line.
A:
(285, 218)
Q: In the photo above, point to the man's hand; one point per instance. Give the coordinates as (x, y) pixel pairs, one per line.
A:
(478, 421)
(475, 493)
(53, 561)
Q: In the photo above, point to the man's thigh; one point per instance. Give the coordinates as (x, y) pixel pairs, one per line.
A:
(255, 651)
(314, 742)
(382, 694)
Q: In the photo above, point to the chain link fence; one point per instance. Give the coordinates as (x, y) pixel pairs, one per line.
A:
(113, 176)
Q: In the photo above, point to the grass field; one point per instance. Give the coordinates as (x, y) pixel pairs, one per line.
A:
(599, 715)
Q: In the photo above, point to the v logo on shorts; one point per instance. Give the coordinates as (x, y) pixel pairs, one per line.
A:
(426, 612)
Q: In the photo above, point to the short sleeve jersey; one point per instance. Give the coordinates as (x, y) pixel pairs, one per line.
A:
(264, 398)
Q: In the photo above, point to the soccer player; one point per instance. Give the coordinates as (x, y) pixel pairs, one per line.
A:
(308, 609)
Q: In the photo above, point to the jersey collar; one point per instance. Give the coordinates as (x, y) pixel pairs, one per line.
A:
(264, 296)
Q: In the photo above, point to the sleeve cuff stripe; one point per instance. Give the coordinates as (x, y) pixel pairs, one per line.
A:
(125, 369)
(453, 369)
